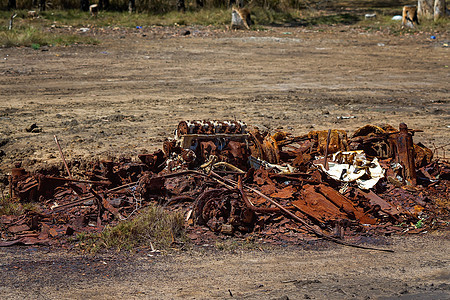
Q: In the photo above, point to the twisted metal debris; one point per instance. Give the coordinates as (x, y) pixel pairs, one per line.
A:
(237, 180)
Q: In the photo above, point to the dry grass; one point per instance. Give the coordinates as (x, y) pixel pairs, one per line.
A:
(9, 206)
(152, 227)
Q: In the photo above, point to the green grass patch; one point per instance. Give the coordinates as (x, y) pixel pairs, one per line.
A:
(87, 242)
(152, 227)
(9, 206)
(35, 32)
(205, 17)
(12, 207)
(77, 18)
(35, 38)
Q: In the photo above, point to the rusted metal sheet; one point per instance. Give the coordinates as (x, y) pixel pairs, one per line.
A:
(317, 206)
(154, 161)
(376, 200)
(18, 228)
(423, 155)
(285, 193)
(345, 205)
(373, 140)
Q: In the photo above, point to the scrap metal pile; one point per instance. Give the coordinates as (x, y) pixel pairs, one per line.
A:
(234, 180)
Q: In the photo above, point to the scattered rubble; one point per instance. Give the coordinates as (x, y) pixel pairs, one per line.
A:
(233, 179)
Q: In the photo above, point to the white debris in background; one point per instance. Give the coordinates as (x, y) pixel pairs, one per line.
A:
(352, 166)
(257, 163)
(397, 18)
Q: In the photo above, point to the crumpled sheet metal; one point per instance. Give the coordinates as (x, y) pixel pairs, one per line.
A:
(380, 142)
(351, 166)
(27, 240)
(346, 205)
(373, 140)
(375, 200)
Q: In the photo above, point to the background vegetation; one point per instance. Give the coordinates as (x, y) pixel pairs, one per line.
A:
(164, 6)
(38, 32)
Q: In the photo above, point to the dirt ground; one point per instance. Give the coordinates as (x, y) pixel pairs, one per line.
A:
(419, 269)
(127, 94)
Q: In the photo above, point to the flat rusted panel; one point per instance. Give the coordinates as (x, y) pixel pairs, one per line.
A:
(317, 206)
(345, 205)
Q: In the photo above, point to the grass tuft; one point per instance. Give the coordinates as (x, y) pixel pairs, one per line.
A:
(9, 206)
(87, 242)
(152, 227)
(12, 207)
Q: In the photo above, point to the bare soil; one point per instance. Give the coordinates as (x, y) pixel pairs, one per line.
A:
(419, 269)
(126, 95)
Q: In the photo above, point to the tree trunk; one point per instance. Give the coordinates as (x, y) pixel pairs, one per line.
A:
(238, 3)
(11, 4)
(103, 4)
(41, 5)
(425, 9)
(131, 6)
(199, 3)
(84, 5)
(181, 5)
(439, 9)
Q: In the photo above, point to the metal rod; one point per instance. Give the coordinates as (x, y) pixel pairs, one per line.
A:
(325, 164)
(62, 156)
(78, 180)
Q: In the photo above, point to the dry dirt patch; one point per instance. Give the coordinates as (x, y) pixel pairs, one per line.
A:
(417, 270)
